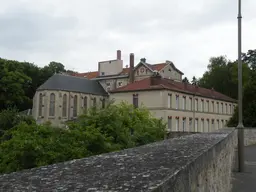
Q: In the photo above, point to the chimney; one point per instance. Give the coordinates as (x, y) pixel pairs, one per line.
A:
(143, 60)
(118, 54)
(131, 75)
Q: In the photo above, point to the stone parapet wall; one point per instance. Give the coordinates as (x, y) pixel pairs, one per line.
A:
(197, 162)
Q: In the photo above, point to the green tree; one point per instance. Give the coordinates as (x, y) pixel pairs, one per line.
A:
(185, 80)
(194, 81)
(13, 83)
(221, 75)
(98, 131)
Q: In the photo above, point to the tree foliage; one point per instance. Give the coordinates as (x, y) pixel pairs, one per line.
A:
(19, 81)
(98, 131)
(222, 75)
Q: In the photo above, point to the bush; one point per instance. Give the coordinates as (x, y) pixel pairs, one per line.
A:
(116, 127)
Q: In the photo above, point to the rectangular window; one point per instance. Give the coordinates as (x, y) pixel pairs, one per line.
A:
(103, 102)
(169, 100)
(230, 109)
(207, 125)
(202, 125)
(190, 124)
(135, 101)
(177, 124)
(196, 105)
(177, 101)
(213, 106)
(190, 103)
(222, 124)
(207, 106)
(212, 128)
(184, 103)
(222, 108)
(169, 124)
(202, 105)
(184, 124)
(226, 108)
(218, 124)
(196, 125)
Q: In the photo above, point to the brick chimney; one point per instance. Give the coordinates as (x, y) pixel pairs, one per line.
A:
(118, 55)
(131, 75)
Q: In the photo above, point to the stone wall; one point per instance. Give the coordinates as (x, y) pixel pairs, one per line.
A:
(197, 162)
(175, 134)
(249, 136)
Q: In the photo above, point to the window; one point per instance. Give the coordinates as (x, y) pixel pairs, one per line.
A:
(221, 108)
(177, 124)
(85, 103)
(40, 107)
(213, 106)
(222, 124)
(196, 125)
(226, 108)
(64, 106)
(230, 109)
(184, 103)
(177, 101)
(170, 123)
(103, 102)
(94, 102)
(207, 125)
(75, 106)
(207, 106)
(102, 73)
(52, 105)
(120, 84)
(202, 105)
(169, 100)
(135, 101)
(196, 105)
(212, 125)
(184, 124)
(218, 124)
(190, 103)
(202, 125)
(190, 124)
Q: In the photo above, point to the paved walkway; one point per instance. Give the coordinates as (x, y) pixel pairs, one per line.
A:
(246, 182)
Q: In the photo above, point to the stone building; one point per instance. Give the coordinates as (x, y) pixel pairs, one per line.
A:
(158, 87)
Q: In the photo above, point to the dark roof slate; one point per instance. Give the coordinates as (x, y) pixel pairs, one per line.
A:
(74, 84)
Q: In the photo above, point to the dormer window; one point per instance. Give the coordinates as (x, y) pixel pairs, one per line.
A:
(120, 84)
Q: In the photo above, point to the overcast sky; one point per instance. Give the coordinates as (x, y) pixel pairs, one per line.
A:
(80, 33)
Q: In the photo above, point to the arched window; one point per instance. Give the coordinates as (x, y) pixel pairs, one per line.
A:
(103, 103)
(85, 103)
(40, 107)
(94, 102)
(52, 105)
(64, 106)
(75, 106)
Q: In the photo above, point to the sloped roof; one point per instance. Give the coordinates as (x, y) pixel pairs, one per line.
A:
(74, 84)
(158, 83)
(125, 71)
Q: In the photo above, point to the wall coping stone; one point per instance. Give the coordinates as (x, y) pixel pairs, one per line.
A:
(152, 167)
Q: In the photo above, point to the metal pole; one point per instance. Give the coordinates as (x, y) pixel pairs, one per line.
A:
(240, 95)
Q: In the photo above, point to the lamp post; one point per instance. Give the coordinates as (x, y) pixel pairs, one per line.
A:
(240, 125)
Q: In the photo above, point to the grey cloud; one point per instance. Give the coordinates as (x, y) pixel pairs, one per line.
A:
(25, 29)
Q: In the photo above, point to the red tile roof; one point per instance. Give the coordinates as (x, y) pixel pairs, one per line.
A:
(94, 74)
(158, 83)
(88, 75)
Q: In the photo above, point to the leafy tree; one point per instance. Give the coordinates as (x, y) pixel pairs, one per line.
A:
(194, 81)
(222, 76)
(13, 83)
(185, 80)
(98, 131)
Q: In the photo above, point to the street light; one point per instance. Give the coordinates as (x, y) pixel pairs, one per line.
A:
(240, 125)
